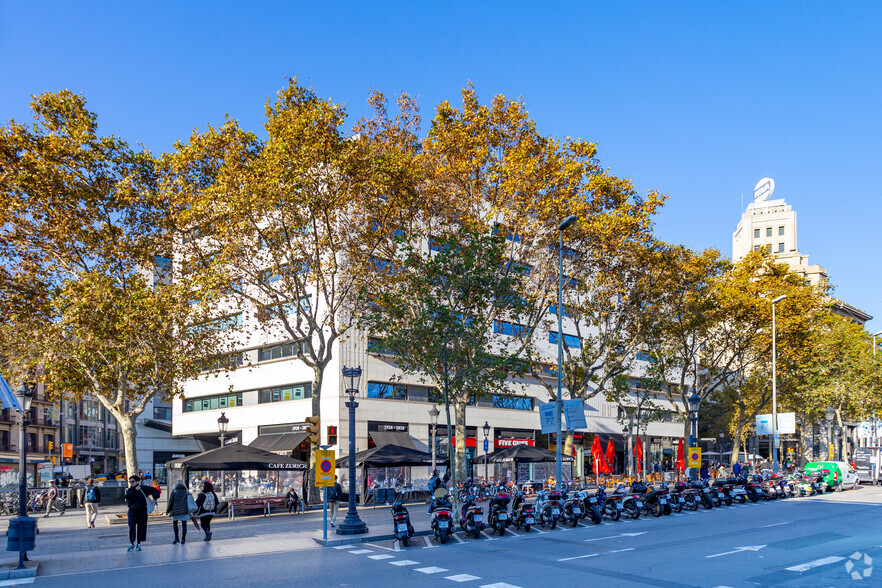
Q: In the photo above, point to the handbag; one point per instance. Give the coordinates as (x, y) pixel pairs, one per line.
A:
(151, 504)
(191, 504)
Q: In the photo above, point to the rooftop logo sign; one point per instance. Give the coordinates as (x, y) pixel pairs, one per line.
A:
(763, 190)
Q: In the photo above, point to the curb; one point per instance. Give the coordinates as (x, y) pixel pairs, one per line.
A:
(13, 573)
(363, 539)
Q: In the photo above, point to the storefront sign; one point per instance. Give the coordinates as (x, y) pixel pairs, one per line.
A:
(512, 442)
(392, 427)
(286, 428)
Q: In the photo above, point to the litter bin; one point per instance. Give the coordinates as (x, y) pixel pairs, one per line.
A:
(21, 529)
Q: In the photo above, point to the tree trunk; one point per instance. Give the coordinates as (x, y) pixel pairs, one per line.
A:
(462, 465)
(736, 449)
(568, 445)
(126, 423)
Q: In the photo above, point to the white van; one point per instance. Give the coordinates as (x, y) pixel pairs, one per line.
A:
(838, 474)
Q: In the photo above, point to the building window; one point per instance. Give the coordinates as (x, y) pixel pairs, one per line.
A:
(512, 402)
(284, 393)
(387, 391)
(780, 247)
(781, 231)
(506, 328)
(89, 411)
(163, 413)
(379, 346)
(111, 439)
(568, 340)
(568, 310)
(283, 350)
(756, 247)
(768, 231)
(213, 402)
(226, 361)
(756, 233)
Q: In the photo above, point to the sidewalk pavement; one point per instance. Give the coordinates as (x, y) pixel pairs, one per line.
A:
(65, 546)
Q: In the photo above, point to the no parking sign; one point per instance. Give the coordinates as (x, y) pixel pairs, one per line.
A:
(694, 457)
(324, 468)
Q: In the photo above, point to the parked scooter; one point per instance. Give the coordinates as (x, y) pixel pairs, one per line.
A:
(442, 515)
(691, 496)
(471, 519)
(548, 507)
(609, 506)
(401, 522)
(720, 486)
(590, 507)
(571, 510)
(499, 510)
(522, 514)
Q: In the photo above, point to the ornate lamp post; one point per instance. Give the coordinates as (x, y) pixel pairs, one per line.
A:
(353, 525)
(22, 529)
(626, 433)
(433, 418)
(694, 403)
(563, 226)
(486, 447)
(222, 423)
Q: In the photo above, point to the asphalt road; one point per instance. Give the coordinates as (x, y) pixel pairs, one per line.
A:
(795, 542)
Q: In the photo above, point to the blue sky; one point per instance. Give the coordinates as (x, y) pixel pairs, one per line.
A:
(698, 100)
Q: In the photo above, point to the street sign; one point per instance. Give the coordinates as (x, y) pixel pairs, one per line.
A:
(694, 457)
(548, 417)
(575, 411)
(67, 450)
(832, 451)
(324, 468)
(786, 423)
(486, 445)
(777, 440)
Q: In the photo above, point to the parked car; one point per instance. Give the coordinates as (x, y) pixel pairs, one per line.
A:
(838, 474)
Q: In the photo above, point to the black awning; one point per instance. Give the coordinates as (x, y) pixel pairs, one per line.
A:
(523, 454)
(279, 441)
(236, 456)
(390, 456)
(400, 438)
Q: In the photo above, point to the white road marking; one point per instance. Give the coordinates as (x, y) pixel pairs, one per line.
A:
(562, 528)
(395, 542)
(462, 578)
(499, 585)
(776, 524)
(512, 532)
(579, 557)
(428, 542)
(489, 538)
(344, 547)
(736, 550)
(361, 551)
(813, 564)
(381, 556)
(404, 562)
(17, 581)
(621, 550)
(431, 570)
(540, 531)
(455, 536)
(617, 536)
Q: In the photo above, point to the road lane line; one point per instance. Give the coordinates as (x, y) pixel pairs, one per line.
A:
(499, 585)
(462, 578)
(431, 570)
(579, 557)
(621, 550)
(512, 532)
(404, 562)
(384, 547)
(455, 536)
(428, 542)
(361, 551)
(489, 538)
(776, 525)
(381, 556)
(813, 564)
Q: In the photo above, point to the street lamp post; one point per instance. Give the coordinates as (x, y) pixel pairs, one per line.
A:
(626, 432)
(222, 423)
(775, 389)
(353, 525)
(563, 226)
(753, 445)
(694, 403)
(876, 334)
(486, 448)
(433, 418)
(23, 527)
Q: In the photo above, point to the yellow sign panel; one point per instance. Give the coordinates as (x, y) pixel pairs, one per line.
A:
(693, 457)
(325, 468)
(832, 451)
(67, 450)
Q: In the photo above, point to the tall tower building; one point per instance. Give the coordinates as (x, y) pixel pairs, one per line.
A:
(771, 224)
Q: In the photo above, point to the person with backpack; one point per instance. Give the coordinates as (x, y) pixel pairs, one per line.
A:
(142, 501)
(179, 509)
(93, 497)
(334, 494)
(206, 506)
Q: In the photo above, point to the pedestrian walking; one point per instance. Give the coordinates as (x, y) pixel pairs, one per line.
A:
(446, 478)
(142, 501)
(93, 497)
(292, 501)
(206, 506)
(736, 469)
(334, 493)
(703, 473)
(52, 501)
(178, 508)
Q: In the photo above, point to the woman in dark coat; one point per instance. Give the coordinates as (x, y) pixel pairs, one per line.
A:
(136, 497)
(206, 506)
(177, 508)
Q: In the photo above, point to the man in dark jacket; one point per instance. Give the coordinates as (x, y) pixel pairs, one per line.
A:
(334, 494)
(92, 497)
(136, 496)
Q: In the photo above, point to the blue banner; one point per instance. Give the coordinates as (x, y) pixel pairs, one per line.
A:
(6, 397)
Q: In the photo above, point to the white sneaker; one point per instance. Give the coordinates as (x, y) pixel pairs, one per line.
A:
(333, 524)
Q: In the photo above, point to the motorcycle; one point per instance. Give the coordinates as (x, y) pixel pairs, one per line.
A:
(471, 518)
(721, 487)
(401, 522)
(548, 505)
(691, 496)
(499, 510)
(442, 515)
(609, 506)
(522, 513)
(589, 506)
(677, 500)
(571, 510)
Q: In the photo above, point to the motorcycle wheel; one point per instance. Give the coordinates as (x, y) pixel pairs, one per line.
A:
(707, 503)
(667, 509)
(717, 502)
(678, 507)
(595, 516)
(442, 534)
(575, 522)
(728, 501)
(742, 498)
(501, 529)
(553, 523)
(404, 540)
(476, 533)
(693, 505)
(614, 513)
(657, 509)
(754, 498)
(526, 528)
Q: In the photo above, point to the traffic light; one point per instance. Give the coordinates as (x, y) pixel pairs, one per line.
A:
(332, 434)
(313, 429)
(51, 446)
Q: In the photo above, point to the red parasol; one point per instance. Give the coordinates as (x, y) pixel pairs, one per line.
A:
(597, 456)
(681, 457)
(610, 457)
(638, 452)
